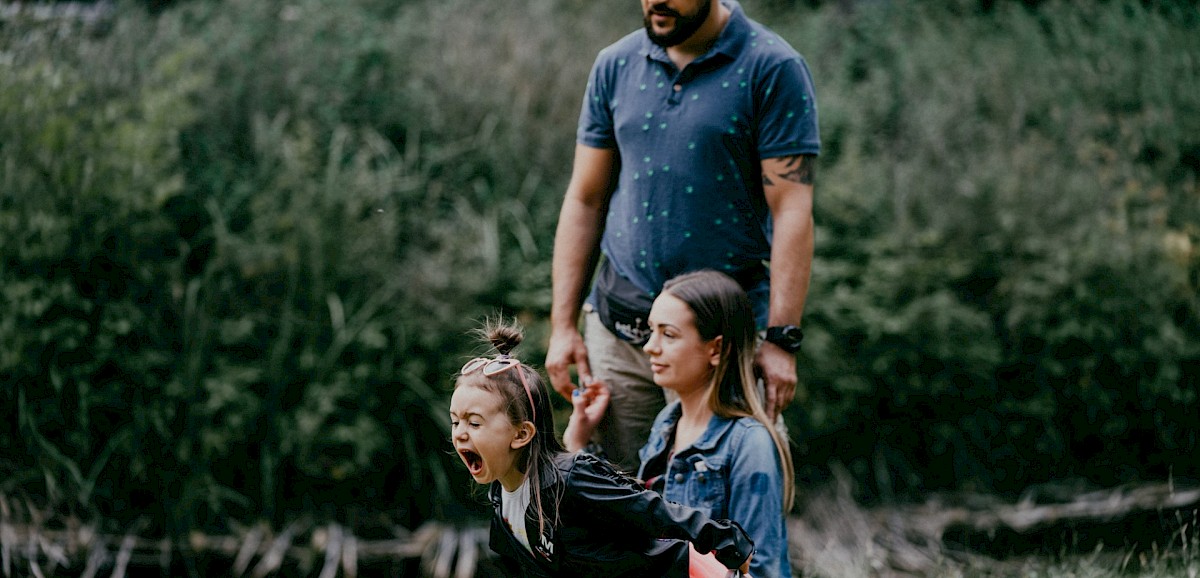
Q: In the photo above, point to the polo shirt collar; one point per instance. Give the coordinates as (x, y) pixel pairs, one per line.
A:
(730, 42)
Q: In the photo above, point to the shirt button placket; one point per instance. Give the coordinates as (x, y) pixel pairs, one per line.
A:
(676, 89)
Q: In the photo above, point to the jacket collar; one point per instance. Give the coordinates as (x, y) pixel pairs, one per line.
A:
(716, 429)
(540, 539)
(550, 475)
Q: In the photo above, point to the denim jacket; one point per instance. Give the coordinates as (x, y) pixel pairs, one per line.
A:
(733, 472)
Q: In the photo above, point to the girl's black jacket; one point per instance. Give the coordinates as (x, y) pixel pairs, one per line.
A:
(602, 523)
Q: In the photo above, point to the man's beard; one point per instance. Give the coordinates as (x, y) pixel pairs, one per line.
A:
(685, 26)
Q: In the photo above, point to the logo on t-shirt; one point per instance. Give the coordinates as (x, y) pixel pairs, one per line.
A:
(545, 547)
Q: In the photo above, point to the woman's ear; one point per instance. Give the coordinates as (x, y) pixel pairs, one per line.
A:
(523, 435)
(714, 350)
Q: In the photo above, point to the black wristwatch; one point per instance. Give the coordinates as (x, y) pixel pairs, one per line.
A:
(787, 337)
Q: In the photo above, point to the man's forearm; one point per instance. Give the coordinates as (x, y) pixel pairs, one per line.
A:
(576, 249)
(577, 238)
(788, 185)
(791, 268)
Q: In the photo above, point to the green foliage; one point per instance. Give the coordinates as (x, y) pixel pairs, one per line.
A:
(1028, 179)
(247, 242)
(87, 170)
(241, 244)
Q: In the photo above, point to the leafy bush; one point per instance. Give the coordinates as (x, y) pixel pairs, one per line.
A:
(242, 244)
(250, 305)
(1006, 286)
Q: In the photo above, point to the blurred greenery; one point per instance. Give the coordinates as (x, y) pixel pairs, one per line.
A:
(242, 243)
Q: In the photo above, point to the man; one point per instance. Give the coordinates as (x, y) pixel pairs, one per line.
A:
(695, 149)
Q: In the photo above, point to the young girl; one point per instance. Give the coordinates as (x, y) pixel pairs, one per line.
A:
(560, 513)
(714, 449)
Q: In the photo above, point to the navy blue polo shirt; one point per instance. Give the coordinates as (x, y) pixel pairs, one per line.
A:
(689, 195)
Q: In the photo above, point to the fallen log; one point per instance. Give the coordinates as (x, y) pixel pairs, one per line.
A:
(1026, 515)
(833, 533)
(29, 549)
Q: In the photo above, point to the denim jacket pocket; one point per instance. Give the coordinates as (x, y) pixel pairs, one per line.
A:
(707, 483)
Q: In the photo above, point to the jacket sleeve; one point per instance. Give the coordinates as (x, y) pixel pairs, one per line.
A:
(756, 497)
(605, 494)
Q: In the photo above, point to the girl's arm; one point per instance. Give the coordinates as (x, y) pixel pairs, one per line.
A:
(588, 405)
(619, 501)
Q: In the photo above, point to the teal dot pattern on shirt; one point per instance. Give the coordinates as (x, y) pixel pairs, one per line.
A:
(681, 187)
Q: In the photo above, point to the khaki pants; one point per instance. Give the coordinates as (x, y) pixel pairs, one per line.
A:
(636, 400)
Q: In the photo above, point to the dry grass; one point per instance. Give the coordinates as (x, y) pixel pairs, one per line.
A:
(835, 537)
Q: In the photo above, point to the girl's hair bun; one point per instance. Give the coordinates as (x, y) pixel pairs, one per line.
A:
(504, 335)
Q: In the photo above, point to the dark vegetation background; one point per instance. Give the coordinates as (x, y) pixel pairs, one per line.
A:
(242, 243)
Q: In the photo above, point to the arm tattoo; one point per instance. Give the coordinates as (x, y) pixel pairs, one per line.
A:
(798, 169)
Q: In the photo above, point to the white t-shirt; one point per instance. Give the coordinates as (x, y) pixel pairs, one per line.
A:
(512, 507)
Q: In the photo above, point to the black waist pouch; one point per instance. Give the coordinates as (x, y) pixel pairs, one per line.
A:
(624, 308)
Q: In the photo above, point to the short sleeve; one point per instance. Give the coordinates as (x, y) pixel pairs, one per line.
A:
(787, 111)
(595, 117)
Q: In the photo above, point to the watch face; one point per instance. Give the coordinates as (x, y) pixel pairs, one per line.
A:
(788, 337)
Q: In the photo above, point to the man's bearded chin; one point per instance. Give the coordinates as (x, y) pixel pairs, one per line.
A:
(685, 26)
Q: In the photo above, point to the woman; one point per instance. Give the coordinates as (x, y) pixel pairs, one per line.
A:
(714, 448)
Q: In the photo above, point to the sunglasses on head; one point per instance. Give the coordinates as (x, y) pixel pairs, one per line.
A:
(499, 364)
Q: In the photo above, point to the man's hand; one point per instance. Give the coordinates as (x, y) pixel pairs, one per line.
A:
(778, 371)
(566, 348)
(588, 406)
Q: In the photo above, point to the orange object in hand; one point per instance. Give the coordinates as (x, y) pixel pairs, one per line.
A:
(706, 566)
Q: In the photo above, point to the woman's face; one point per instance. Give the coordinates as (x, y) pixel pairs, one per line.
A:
(485, 439)
(681, 360)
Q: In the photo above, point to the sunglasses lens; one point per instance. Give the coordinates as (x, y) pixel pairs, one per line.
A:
(498, 365)
(472, 365)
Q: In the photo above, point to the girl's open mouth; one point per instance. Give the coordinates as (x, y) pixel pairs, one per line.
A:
(473, 461)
